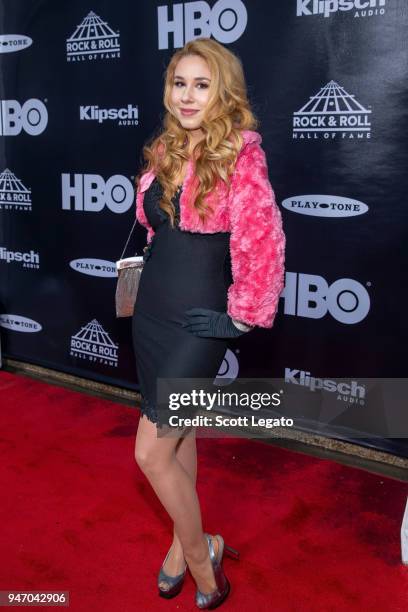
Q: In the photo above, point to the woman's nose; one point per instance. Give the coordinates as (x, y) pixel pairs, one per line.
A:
(187, 94)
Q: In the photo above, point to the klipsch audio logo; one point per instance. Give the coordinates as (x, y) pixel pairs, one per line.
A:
(360, 8)
(31, 116)
(325, 206)
(351, 391)
(20, 324)
(128, 115)
(13, 194)
(93, 343)
(309, 295)
(94, 267)
(226, 21)
(14, 42)
(330, 112)
(91, 193)
(26, 260)
(93, 39)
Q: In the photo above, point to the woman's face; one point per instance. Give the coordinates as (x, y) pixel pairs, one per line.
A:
(190, 91)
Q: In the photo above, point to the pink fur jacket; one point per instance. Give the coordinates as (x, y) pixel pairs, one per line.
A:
(257, 241)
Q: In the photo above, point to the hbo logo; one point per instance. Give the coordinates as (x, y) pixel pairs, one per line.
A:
(90, 192)
(228, 369)
(32, 117)
(345, 299)
(226, 21)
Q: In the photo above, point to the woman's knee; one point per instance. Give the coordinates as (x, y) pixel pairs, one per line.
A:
(150, 459)
(153, 454)
(144, 444)
(143, 459)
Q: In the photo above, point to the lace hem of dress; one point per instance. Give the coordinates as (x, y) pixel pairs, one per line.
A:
(149, 410)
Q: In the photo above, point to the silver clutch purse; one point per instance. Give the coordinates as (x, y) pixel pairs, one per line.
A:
(129, 272)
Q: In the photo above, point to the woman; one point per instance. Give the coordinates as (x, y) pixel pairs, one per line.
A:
(213, 270)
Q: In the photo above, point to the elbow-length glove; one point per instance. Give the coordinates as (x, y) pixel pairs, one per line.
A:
(212, 324)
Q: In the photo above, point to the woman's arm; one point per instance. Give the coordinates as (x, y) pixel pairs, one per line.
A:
(241, 326)
(257, 242)
(140, 213)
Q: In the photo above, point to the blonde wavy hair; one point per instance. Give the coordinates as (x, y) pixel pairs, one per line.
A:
(227, 113)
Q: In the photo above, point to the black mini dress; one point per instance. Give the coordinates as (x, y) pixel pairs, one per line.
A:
(184, 270)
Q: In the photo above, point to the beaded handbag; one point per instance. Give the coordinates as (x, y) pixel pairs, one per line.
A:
(129, 272)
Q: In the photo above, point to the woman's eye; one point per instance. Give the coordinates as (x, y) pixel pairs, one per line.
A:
(199, 85)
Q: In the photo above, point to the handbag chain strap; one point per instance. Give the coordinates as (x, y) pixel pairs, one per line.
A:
(127, 241)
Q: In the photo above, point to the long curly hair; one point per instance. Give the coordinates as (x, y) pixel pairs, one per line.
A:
(227, 113)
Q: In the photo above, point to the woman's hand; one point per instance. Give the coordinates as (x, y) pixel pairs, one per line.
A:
(147, 250)
(211, 324)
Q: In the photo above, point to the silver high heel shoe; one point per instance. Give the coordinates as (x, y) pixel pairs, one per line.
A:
(175, 582)
(212, 600)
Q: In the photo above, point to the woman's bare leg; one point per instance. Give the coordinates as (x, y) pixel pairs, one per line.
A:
(156, 457)
(186, 453)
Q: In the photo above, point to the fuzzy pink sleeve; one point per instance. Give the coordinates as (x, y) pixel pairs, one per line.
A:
(257, 241)
(141, 217)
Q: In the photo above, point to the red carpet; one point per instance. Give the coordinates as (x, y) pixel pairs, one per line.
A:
(78, 515)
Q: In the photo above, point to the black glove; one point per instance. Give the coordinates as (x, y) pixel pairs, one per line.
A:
(210, 324)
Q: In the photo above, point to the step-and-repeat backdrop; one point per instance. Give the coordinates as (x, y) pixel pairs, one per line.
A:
(81, 91)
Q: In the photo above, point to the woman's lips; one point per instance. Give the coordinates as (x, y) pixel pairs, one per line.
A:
(188, 112)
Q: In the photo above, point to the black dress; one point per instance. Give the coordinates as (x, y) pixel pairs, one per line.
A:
(184, 270)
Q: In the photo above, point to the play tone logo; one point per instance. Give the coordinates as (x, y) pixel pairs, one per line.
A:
(10, 43)
(360, 8)
(26, 260)
(93, 343)
(93, 39)
(13, 194)
(325, 206)
(332, 113)
(20, 324)
(94, 267)
(123, 116)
